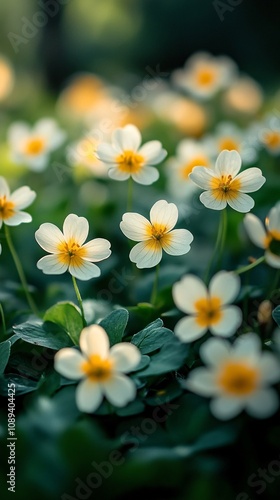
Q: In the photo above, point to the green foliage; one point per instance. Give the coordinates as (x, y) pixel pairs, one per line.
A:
(68, 317)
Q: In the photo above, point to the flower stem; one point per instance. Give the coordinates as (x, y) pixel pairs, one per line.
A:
(79, 298)
(20, 271)
(220, 241)
(244, 269)
(3, 319)
(129, 194)
(155, 286)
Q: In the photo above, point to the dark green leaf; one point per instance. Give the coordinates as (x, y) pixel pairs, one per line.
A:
(115, 325)
(22, 384)
(132, 408)
(68, 317)
(170, 358)
(152, 337)
(5, 350)
(43, 334)
(276, 315)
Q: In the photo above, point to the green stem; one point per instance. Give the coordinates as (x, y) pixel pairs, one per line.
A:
(244, 269)
(219, 242)
(3, 319)
(20, 271)
(129, 194)
(79, 298)
(223, 235)
(155, 286)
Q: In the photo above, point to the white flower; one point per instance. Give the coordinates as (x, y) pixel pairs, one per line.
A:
(269, 134)
(237, 377)
(189, 154)
(100, 368)
(82, 153)
(269, 238)
(244, 96)
(127, 159)
(11, 204)
(223, 185)
(204, 75)
(156, 235)
(207, 309)
(68, 251)
(32, 146)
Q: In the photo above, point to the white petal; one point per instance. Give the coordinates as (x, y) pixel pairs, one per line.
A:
(85, 271)
(255, 230)
(188, 330)
(18, 218)
(230, 321)
(187, 292)
(178, 242)
(135, 227)
(68, 363)
(251, 180)
(225, 408)
(106, 153)
(37, 163)
(146, 176)
(271, 259)
(127, 138)
(273, 219)
(23, 197)
(152, 152)
(247, 346)
(164, 213)
(4, 188)
(117, 175)
(209, 200)
(201, 381)
(225, 285)
(88, 396)
(214, 351)
(263, 403)
(75, 228)
(202, 176)
(94, 340)
(146, 254)
(50, 264)
(48, 236)
(242, 203)
(97, 250)
(269, 367)
(126, 357)
(228, 163)
(119, 390)
(17, 132)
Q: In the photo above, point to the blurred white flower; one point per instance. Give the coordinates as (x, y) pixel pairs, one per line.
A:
(269, 134)
(237, 377)
(223, 186)
(82, 153)
(207, 309)
(205, 75)
(7, 78)
(31, 146)
(127, 159)
(156, 235)
(268, 237)
(243, 97)
(68, 251)
(100, 369)
(11, 204)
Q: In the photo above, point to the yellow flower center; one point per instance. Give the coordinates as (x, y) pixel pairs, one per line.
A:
(228, 143)
(238, 378)
(206, 76)
(272, 139)
(225, 187)
(158, 234)
(97, 369)
(272, 241)
(34, 146)
(71, 252)
(200, 161)
(130, 162)
(6, 208)
(208, 311)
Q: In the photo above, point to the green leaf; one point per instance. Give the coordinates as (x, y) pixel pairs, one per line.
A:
(43, 334)
(68, 317)
(152, 337)
(276, 315)
(115, 325)
(132, 408)
(170, 358)
(5, 350)
(23, 385)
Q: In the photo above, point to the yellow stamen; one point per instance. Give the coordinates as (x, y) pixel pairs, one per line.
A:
(34, 146)
(228, 143)
(238, 378)
(97, 369)
(200, 161)
(225, 187)
(130, 162)
(208, 311)
(71, 253)
(6, 208)
(206, 76)
(272, 139)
